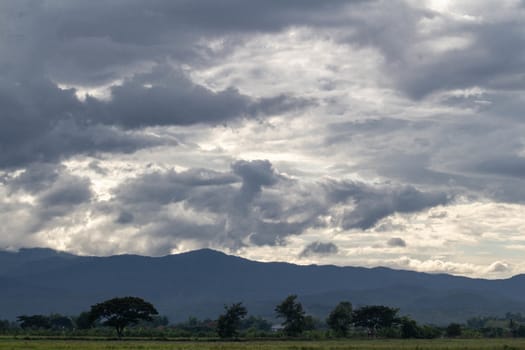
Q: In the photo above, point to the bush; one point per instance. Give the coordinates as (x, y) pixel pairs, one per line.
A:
(453, 330)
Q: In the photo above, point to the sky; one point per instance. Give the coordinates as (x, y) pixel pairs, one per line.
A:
(355, 133)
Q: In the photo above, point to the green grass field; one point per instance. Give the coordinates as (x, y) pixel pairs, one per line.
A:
(436, 344)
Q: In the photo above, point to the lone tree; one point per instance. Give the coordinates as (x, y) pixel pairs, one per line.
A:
(293, 314)
(340, 319)
(229, 322)
(375, 317)
(121, 312)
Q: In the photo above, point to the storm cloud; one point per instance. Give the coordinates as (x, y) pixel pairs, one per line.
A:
(164, 97)
(373, 204)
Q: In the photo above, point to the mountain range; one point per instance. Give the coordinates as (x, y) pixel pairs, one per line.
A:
(201, 282)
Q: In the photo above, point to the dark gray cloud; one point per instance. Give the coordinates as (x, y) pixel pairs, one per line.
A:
(228, 199)
(95, 166)
(29, 108)
(373, 204)
(35, 178)
(170, 186)
(91, 44)
(56, 191)
(477, 157)
(125, 218)
(254, 204)
(56, 194)
(67, 139)
(426, 51)
(68, 191)
(319, 248)
(396, 242)
(180, 103)
(53, 185)
(344, 131)
(234, 200)
(479, 64)
(505, 165)
(88, 45)
(41, 123)
(168, 97)
(439, 116)
(255, 174)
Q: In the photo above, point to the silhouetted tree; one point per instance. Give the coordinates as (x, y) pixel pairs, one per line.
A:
(340, 319)
(375, 317)
(409, 328)
(4, 326)
(255, 323)
(310, 323)
(228, 323)
(293, 314)
(83, 320)
(58, 321)
(34, 322)
(430, 332)
(198, 327)
(519, 331)
(121, 312)
(453, 330)
(159, 321)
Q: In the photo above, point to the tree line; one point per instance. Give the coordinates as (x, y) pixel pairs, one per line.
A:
(140, 317)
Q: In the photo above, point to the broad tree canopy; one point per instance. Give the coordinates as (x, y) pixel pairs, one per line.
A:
(121, 312)
(375, 317)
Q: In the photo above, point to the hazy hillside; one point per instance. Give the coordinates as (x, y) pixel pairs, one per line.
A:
(199, 283)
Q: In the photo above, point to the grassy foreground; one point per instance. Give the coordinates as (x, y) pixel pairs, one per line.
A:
(435, 344)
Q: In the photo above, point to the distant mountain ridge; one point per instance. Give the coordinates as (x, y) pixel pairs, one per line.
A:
(200, 282)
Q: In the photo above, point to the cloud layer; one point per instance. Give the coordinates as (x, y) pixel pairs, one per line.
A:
(347, 132)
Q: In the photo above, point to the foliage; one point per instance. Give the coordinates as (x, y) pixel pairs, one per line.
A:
(340, 319)
(311, 323)
(229, 322)
(53, 321)
(155, 322)
(515, 317)
(83, 320)
(380, 344)
(121, 312)
(374, 317)
(293, 314)
(34, 322)
(512, 324)
(254, 323)
(430, 332)
(409, 328)
(5, 326)
(60, 322)
(453, 330)
(196, 328)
